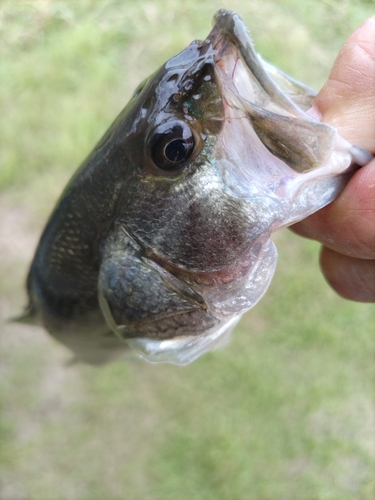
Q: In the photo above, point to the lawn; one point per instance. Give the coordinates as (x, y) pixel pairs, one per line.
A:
(286, 411)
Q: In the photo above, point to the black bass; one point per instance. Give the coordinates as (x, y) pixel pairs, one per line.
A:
(161, 240)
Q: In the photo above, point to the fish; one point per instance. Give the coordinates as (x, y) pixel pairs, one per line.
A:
(162, 238)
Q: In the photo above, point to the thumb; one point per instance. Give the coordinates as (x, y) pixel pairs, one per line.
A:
(347, 100)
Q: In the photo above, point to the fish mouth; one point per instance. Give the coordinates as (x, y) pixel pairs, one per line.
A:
(250, 93)
(241, 70)
(269, 144)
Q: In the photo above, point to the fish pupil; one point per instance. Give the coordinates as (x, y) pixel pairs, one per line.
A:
(176, 150)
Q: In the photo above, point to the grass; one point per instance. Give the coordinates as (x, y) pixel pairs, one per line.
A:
(286, 411)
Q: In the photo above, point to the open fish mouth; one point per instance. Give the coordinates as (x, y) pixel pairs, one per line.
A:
(274, 139)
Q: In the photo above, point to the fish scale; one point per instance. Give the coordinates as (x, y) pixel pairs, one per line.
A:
(162, 237)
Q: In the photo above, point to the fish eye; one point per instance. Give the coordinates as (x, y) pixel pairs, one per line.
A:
(172, 144)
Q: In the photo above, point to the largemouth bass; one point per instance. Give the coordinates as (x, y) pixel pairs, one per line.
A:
(161, 240)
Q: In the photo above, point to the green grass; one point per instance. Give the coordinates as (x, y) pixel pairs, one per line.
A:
(286, 411)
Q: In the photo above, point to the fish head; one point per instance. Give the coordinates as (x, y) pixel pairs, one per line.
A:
(223, 154)
(168, 221)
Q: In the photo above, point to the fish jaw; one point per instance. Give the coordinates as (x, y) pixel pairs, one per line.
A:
(270, 145)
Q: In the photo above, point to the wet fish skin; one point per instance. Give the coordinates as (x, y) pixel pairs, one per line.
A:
(118, 185)
(166, 248)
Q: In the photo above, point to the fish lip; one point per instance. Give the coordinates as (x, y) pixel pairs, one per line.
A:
(230, 36)
(297, 142)
(229, 27)
(244, 84)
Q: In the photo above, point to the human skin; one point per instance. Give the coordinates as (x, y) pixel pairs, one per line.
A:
(346, 227)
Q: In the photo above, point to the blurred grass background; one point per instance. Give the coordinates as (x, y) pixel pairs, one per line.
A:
(286, 411)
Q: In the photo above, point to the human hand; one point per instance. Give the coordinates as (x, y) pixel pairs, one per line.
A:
(346, 227)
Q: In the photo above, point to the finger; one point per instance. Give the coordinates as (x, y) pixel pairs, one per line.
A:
(347, 100)
(353, 279)
(348, 224)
